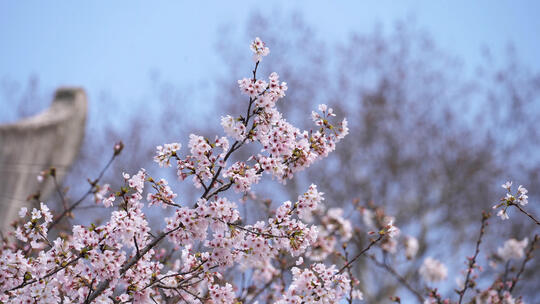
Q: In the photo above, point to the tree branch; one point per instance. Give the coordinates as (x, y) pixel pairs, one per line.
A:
(526, 213)
(472, 261)
(373, 242)
(398, 277)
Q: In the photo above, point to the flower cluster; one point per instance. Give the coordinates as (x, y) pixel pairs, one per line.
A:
(103, 196)
(375, 218)
(252, 88)
(259, 49)
(520, 197)
(36, 229)
(285, 148)
(221, 294)
(492, 296)
(164, 195)
(165, 152)
(233, 128)
(317, 284)
(243, 176)
(334, 228)
(65, 272)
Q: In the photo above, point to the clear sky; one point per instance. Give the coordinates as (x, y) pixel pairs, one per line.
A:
(113, 45)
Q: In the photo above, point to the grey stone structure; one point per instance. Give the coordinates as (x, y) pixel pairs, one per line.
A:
(27, 147)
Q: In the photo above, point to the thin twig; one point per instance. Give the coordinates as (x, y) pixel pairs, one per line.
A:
(360, 254)
(264, 234)
(526, 213)
(472, 261)
(351, 281)
(435, 295)
(80, 200)
(47, 275)
(59, 191)
(89, 290)
(398, 277)
(261, 290)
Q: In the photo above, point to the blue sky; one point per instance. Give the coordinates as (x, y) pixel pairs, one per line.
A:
(114, 45)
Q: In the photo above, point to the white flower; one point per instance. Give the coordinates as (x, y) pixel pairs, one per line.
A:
(36, 214)
(411, 247)
(390, 245)
(391, 230)
(233, 128)
(508, 299)
(507, 185)
(357, 294)
(433, 270)
(502, 214)
(430, 300)
(512, 249)
(23, 211)
(523, 198)
(368, 218)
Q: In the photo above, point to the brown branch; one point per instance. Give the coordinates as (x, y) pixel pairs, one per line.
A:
(92, 186)
(196, 269)
(435, 294)
(136, 246)
(261, 290)
(58, 190)
(351, 281)
(526, 213)
(268, 235)
(398, 277)
(47, 275)
(472, 261)
(202, 182)
(373, 242)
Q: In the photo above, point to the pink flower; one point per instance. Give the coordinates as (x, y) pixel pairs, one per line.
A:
(259, 49)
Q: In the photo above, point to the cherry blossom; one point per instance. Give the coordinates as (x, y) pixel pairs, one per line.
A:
(233, 128)
(433, 270)
(317, 284)
(259, 49)
(512, 249)
(165, 152)
(411, 247)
